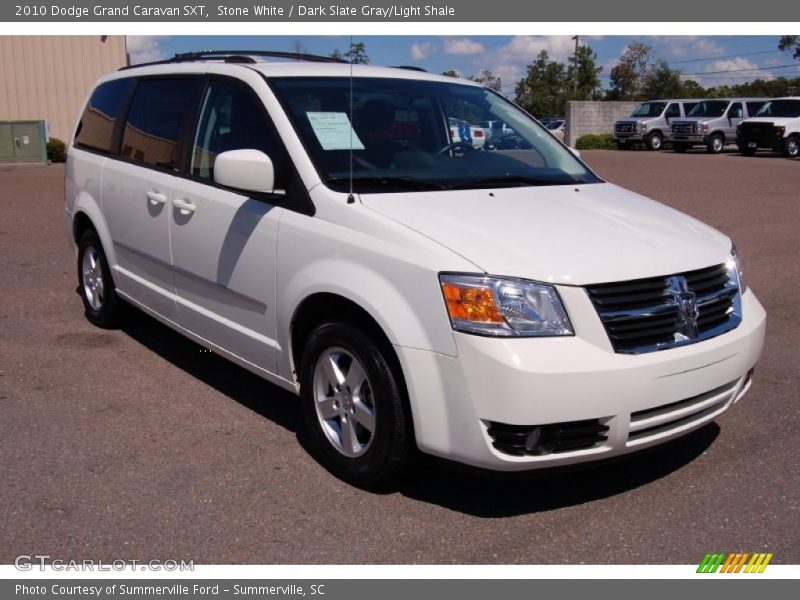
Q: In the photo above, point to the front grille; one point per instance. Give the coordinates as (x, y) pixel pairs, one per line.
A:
(652, 422)
(761, 133)
(625, 128)
(657, 313)
(683, 128)
(553, 438)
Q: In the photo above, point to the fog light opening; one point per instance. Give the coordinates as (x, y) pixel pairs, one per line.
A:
(532, 441)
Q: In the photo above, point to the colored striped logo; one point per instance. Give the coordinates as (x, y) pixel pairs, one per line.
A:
(735, 562)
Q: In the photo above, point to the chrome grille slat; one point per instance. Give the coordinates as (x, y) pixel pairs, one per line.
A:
(645, 315)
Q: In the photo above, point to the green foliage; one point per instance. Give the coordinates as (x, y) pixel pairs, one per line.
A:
(628, 75)
(357, 54)
(549, 84)
(56, 150)
(596, 141)
(760, 88)
(487, 78)
(584, 74)
(543, 91)
(662, 81)
(789, 42)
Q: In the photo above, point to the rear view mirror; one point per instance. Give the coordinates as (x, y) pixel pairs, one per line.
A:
(246, 170)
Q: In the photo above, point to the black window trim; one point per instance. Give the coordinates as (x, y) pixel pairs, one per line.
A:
(116, 130)
(296, 198)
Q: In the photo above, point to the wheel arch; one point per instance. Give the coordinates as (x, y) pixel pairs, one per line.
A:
(321, 307)
(87, 215)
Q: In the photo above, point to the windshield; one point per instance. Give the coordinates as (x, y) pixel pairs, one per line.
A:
(709, 108)
(649, 109)
(421, 135)
(780, 108)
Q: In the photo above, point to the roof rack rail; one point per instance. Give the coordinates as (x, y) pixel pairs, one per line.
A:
(237, 56)
(410, 68)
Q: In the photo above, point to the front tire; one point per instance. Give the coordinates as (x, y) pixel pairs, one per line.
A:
(716, 144)
(354, 406)
(791, 148)
(101, 304)
(655, 141)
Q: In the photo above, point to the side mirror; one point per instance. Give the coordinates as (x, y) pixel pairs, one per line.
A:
(246, 170)
(575, 151)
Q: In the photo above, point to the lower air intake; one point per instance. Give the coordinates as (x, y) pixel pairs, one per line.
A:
(553, 438)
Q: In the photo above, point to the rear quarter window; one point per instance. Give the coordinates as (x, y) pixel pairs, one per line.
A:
(96, 127)
(156, 118)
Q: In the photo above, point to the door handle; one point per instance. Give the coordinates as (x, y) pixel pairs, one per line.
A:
(185, 206)
(156, 198)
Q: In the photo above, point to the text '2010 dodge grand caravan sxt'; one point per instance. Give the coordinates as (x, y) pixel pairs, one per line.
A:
(318, 225)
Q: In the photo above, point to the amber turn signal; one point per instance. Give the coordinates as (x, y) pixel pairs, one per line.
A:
(471, 303)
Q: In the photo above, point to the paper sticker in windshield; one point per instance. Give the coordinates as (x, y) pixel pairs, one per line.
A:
(333, 130)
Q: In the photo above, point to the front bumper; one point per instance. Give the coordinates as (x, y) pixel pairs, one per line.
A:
(774, 143)
(693, 138)
(643, 399)
(629, 137)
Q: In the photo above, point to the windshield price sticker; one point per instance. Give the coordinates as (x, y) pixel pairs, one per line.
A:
(334, 131)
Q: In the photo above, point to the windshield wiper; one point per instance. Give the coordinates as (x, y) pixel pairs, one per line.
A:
(378, 181)
(510, 181)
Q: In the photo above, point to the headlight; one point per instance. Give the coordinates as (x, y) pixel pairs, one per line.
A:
(503, 306)
(736, 265)
(702, 128)
(780, 130)
(642, 127)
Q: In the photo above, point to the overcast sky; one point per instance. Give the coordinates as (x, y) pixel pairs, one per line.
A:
(716, 59)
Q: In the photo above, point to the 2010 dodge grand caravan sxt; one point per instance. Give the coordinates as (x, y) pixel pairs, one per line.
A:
(318, 225)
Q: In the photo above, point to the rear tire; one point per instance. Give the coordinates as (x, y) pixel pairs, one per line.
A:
(715, 144)
(101, 304)
(791, 148)
(655, 141)
(354, 406)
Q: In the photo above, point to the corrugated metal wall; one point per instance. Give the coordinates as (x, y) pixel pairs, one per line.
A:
(48, 77)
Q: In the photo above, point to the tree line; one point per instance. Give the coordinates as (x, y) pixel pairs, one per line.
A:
(639, 74)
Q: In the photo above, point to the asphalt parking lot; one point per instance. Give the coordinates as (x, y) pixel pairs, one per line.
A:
(137, 444)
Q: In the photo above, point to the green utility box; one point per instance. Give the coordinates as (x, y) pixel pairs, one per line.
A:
(23, 142)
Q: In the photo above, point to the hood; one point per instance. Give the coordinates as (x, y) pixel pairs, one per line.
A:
(566, 234)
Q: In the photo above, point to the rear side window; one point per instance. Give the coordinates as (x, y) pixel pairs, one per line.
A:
(155, 120)
(96, 127)
(754, 107)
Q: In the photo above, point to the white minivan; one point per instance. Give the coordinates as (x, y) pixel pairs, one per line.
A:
(317, 224)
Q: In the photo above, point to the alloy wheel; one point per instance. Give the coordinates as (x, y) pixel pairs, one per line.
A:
(344, 402)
